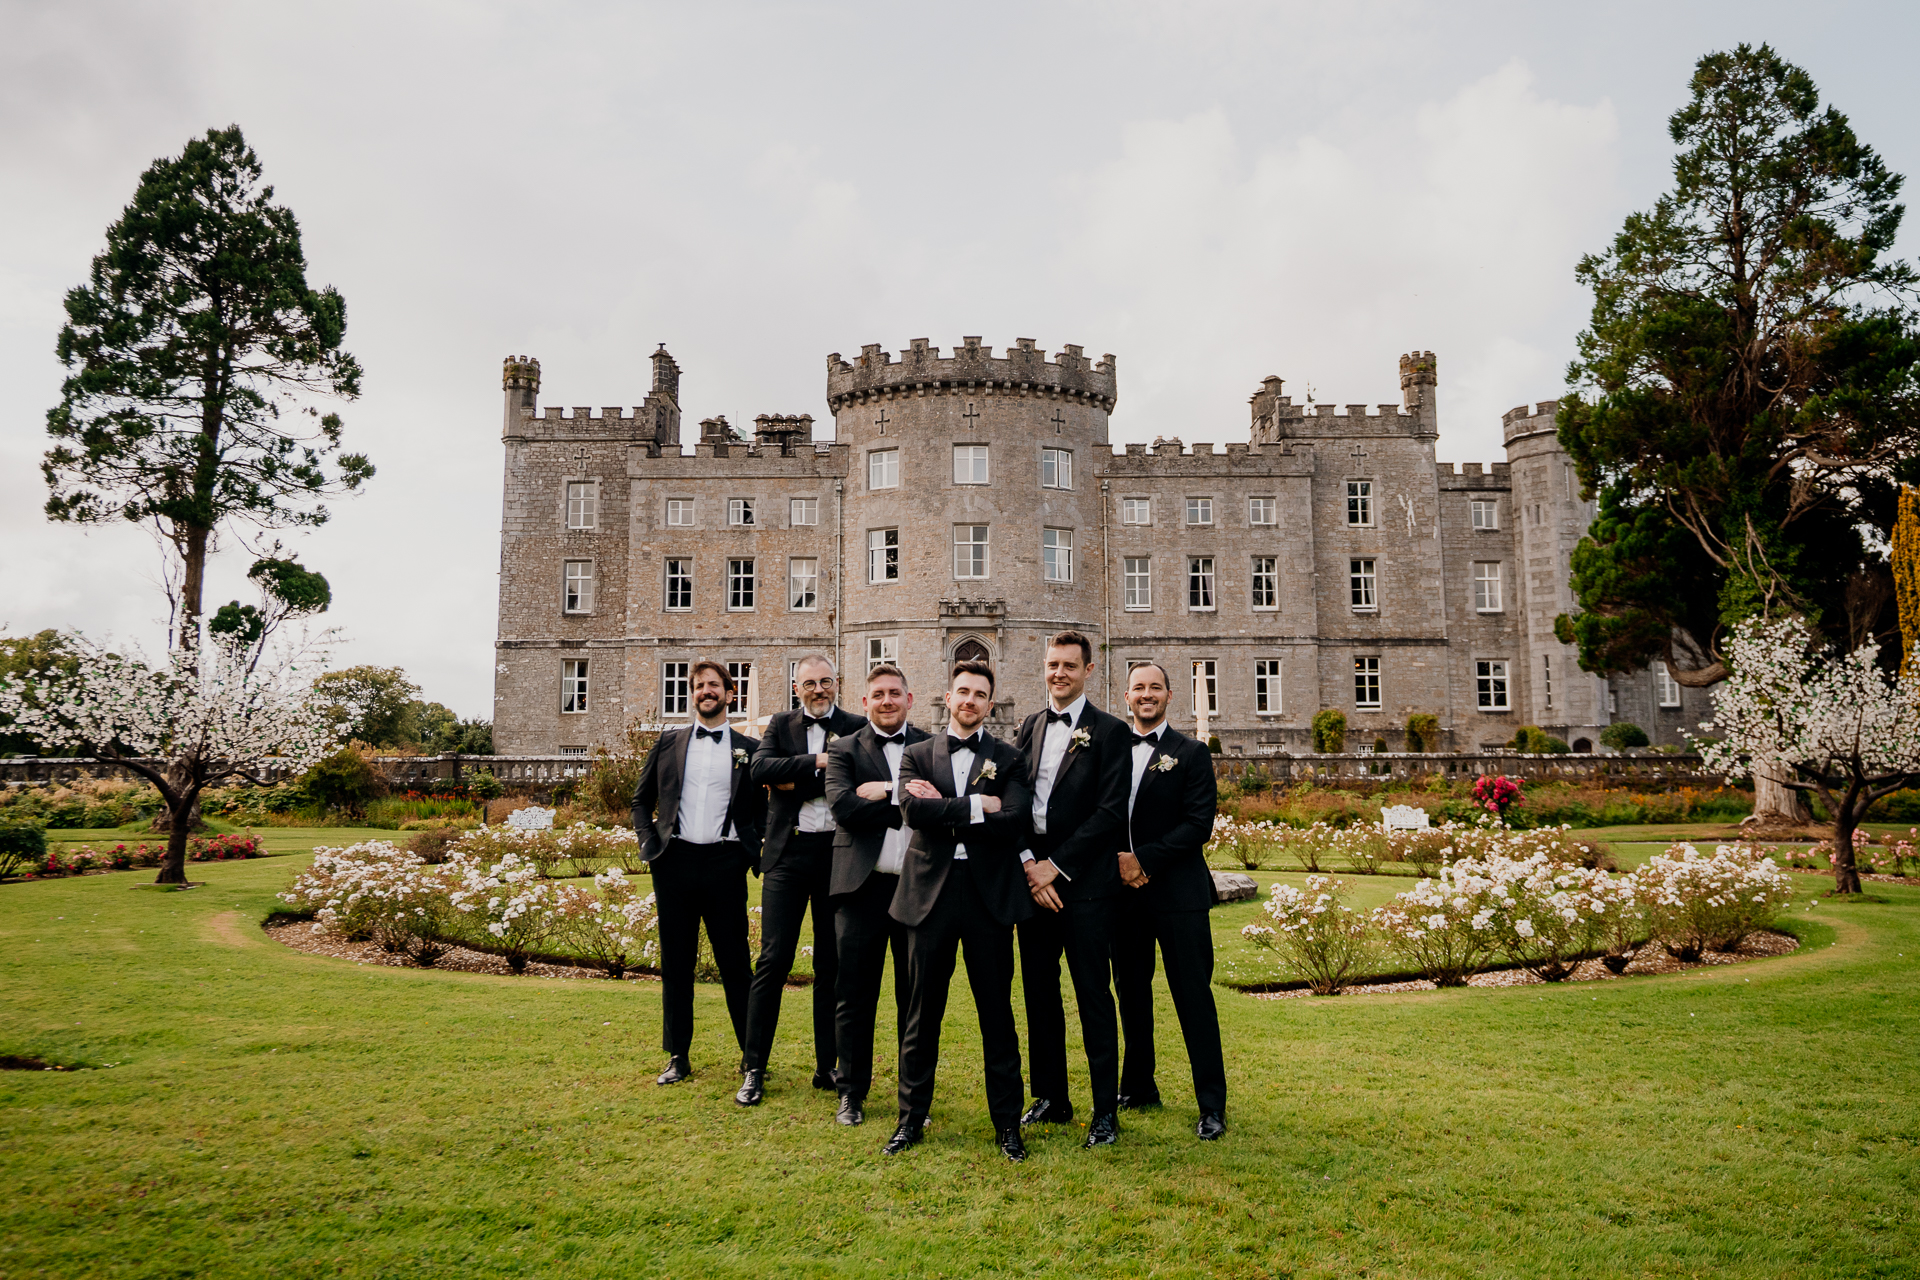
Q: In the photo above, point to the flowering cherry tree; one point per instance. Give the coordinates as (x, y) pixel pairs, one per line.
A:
(207, 716)
(1848, 730)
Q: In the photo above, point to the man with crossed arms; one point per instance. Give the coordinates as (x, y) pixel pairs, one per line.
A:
(1077, 758)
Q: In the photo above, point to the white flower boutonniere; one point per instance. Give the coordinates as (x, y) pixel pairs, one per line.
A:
(1081, 739)
(740, 757)
(1162, 764)
(988, 772)
(829, 739)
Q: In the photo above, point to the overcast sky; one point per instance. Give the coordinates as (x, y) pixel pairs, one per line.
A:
(1213, 192)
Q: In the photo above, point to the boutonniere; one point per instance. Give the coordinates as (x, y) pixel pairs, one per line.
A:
(1081, 738)
(740, 757)
(988, 772)
(830, 739)
(1162, 764)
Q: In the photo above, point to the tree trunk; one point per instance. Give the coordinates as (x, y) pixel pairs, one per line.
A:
(1775, 803)
(193, 583)
(1846, 876)
(173, 868)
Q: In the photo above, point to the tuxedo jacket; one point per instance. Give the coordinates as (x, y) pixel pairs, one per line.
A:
(993, 846)
(863, 824)
(1172, 822)
(656, 799)
(1087, 808)
(782, 756)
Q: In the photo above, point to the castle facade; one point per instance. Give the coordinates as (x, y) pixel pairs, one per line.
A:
(969, 505)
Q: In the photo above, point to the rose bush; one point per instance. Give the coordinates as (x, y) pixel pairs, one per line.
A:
(1321, 937)
(1698, 902)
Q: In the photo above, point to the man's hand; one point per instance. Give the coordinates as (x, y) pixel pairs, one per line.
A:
(820, 761)
(783, 786)
(874, 791)
(1048, 897)
(921, 789)
(1130, 870)
(989, 804)
(1041, 872)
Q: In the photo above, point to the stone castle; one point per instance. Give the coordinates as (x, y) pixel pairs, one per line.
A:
(970, 505)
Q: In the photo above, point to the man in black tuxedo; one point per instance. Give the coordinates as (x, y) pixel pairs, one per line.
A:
(863, 787)
(699, 818)
(795, 865)
(1077, 759)
(1166, 896)
(961, 884)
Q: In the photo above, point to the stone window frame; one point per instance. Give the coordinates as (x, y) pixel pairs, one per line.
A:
(1196, 502)
(1128, 575)
(1490, 507)
(803, 608)
(1057, 456)
(1360, 501)
(984, 555)
(692, 507)
(568, 605)
(1053, 557)
(1268, 687)
(1363, 584)
(1203, 584)
(1665, 687)
(676, 684)
(1146, 501)
(873, 457)
(590, 504)
(882, 649)
(742, 673)
(984, 459)
(576, 686)
(667, 582)
(1209, 670)
(890, 555)
(1489, 593)
(1272, 577)
(743, 513)
(1273, 511)
(1546, 681)
(793, 501)
(1492, 689)
(734, 579)
(1366, 675)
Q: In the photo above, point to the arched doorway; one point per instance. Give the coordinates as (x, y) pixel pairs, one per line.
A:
(971, 650)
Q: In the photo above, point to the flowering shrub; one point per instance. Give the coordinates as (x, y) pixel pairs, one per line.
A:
(1441, 925)
(515, 906)
(1314, 931)
(1544, 915)
(223, 848)
(589, 848)
(491, 844)
(1620, 917)
(374, 890)
(1241, 844)
(1697, 903)
(620, 929)
(1496, 794)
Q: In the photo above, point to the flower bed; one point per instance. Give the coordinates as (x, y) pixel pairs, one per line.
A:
(86, 859)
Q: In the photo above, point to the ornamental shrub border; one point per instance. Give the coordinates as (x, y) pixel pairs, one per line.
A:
(86, 860)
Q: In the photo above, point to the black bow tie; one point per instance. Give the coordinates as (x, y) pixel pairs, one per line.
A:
(884, 739)
(811, 721)
(1139, 738)
(1065, 717)
(969, 743)
(715, 734)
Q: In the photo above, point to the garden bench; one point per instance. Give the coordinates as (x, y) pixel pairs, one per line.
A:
(533, 818)
(1403, 817)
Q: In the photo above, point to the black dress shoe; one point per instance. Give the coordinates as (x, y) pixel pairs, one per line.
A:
(911, 1130)
(678, 1069)
(753, 1088)
(1045, 1111)
(1212, 1125)
(823, 1080)
(851, 1110)
(1138, 1101)
(1104, 1131)
(1008, 1140)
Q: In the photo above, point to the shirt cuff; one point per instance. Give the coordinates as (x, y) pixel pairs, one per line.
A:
(1026, 855)
(974, 800)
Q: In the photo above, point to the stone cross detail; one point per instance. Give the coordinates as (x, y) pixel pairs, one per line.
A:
(972, 415)
(881, 421)
(583, 458)
(1058, 422)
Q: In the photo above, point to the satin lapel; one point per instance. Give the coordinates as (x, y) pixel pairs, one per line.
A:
(943, 767)
(1036, 744)
(981, 754)
(875, 753)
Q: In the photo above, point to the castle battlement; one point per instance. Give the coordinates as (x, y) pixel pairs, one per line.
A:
(1173, 458)
(1524, 420)
(1460, 476)
(972, 369)
(739, 460)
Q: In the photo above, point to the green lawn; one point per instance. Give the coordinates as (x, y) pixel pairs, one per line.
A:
(276, 1114)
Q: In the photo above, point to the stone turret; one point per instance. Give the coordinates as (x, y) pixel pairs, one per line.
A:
(1419, 376)
(520, 379)
(662, 406)
(781, 431)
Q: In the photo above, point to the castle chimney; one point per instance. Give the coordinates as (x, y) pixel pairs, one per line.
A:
(663, 404)
(1418, 378)
(666, 374)
(520, 379)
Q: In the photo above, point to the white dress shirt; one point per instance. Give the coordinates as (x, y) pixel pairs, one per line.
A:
(893, 849)
(1053, 751)
(814, 814)
(1143, 753)
(962, 758)
(707, 789)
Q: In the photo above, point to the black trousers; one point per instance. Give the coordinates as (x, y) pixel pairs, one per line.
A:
(796, 882)
(960, 917)
(694, 883)
(1186, 945)
(864, 933)
(1082, 932)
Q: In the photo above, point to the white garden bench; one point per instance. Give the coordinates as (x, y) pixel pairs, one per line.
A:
(535, 818)
(1403, 817)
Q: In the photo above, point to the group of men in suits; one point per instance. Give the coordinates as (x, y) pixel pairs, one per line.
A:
(1082, 839)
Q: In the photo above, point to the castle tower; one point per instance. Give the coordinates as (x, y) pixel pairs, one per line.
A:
(520, 379)
(661, 409)
(973, 509)
(1419, 378)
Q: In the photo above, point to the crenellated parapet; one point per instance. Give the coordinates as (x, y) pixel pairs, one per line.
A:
(1527, 420)
(1171, 458)
(971, 369)
(1472, 476)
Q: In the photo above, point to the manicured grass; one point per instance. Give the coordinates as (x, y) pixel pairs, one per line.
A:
(277, 1114)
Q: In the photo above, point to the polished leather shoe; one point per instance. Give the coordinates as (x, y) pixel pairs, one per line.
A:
(1104, 1131)
(1008, 1140)
(823, 1080)
(678, 1069)
(752, 1089)
(1137, 1101)
(1212, 1125)
(851, 1111)
(1045, 1111)
(911, 1130)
